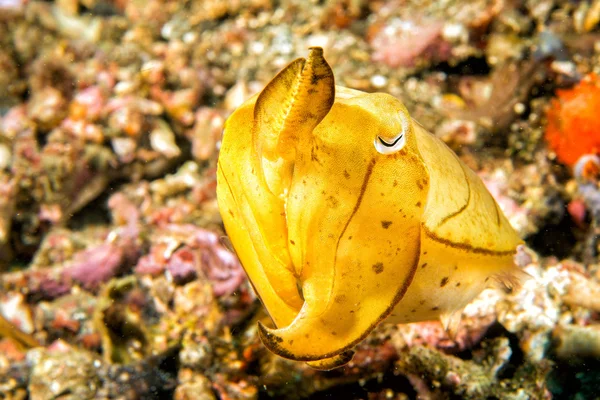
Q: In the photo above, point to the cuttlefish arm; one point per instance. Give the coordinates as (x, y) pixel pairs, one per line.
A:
(341, 204)
(260, 159)
(254, 173)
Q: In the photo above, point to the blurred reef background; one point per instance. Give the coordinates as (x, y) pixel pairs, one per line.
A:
(111, 250)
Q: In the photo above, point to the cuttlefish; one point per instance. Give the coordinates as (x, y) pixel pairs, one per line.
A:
(345, 212)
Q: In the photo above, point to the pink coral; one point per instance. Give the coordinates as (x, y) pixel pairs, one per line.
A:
(152, 263)
(203, 254)
(206, 132)
(15, 121)
(88, 103)
(182, 265)
(400, 43)
(96, 265)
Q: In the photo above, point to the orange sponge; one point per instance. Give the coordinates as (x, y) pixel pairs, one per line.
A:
(574, 121)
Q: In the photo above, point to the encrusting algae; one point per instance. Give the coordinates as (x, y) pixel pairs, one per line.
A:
(346, 212)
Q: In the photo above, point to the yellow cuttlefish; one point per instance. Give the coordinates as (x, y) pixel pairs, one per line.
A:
(344, 211)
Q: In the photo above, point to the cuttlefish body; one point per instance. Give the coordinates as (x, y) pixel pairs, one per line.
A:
(344, 211)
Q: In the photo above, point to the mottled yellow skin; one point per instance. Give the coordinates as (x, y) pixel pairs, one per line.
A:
(334, 236)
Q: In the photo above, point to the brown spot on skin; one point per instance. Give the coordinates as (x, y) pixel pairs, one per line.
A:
(349, 237)
(487, 279)
(231, 213)
(413, 310)
(333, 333)
(306, 117)
(386, 224)
(424, 265)
(313, 156)
(422, 302)
(340, 298)
(346, 174)
(455, 267)
(419, 185)
(292, 242)
(395, 183)
(333, 202)
(291, 341)
(418, 204)
(435, 308)
(457, 284)
(444, 281)
(377, 268)
(315, 78)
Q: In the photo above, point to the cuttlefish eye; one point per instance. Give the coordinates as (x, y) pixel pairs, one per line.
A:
(389, 145)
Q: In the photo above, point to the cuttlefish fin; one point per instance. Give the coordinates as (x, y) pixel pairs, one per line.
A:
(334, 362)
(509, 281)
(451, 323)
(292, 105)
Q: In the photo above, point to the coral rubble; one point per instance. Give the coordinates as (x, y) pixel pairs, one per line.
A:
(116, 280)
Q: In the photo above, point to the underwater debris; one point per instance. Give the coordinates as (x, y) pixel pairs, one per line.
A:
(205, 135)
(119, 319)
(493, 101)
(434, 373)
(583, 292)
(65, 370)
(193, 385)
(7, 205)
(577, 342)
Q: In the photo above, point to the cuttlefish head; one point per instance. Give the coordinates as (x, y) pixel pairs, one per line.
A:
(345, 165)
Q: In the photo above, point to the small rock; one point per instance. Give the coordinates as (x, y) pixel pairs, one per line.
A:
(193, 386)
(68, 375)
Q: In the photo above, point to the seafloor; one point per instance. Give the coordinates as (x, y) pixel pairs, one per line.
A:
(112, 263)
